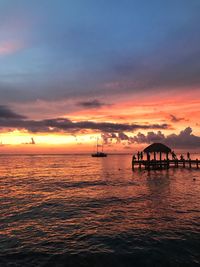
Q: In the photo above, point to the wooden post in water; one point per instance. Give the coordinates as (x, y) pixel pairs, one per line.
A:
(133, 165)
(167, 155)
(176, 163)
(148, 160)
(197, 162)
(190, 165)
(133, 162)
(140, 165)
(160, 160)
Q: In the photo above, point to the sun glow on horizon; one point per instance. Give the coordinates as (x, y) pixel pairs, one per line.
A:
(17, 137)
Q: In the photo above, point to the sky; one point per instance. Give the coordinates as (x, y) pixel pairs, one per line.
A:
(126, 72)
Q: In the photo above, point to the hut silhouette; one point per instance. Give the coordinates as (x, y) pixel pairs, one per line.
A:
(157, 148)
(162, 163)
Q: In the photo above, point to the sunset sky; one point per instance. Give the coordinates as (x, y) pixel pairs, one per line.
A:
(126, 71)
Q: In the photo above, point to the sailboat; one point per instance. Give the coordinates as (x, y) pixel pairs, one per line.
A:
(99, 154)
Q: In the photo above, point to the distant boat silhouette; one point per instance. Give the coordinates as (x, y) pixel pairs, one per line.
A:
(99, 154)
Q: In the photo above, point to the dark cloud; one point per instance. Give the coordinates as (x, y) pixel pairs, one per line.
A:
(108, 137)
(6, 113)
(150, 137)
(185, 139)
(121, 137)
(175, 119)
(115, 127)
(63, 124)
(92, 104)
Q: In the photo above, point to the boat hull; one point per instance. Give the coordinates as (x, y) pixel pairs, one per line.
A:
(99, 155)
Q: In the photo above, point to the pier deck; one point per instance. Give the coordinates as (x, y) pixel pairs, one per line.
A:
(165, 164)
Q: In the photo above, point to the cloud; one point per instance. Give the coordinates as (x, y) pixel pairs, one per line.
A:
(175, 119)
(150, 137)
(185, 139)
(108, 137)
(6, 113)
(121, 137)
(10, 119)
(92, 104)
(111, 132)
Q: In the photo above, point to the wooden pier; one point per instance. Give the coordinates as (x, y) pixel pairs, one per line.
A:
(165, 164)
(159, 150)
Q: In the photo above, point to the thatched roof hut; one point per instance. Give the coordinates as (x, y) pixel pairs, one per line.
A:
(157, 148)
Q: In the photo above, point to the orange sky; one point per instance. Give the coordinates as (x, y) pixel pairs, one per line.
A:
(178, 111)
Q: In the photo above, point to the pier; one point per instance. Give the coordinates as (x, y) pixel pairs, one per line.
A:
(158, 149)
(165, 164)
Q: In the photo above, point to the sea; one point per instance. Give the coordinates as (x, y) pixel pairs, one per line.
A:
(75, 210)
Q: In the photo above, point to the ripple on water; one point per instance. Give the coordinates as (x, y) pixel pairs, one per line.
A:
(80, 211)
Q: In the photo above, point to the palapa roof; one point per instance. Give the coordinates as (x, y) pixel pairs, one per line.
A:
(157, 147)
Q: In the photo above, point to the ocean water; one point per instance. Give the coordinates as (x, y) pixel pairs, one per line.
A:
(62, 210)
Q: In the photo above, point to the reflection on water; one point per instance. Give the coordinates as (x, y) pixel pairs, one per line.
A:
(85, 211)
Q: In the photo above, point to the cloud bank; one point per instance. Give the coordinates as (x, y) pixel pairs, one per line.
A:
(184, 140)
(111, 132)
(67, 126)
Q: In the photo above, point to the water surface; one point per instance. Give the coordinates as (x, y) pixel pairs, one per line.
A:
(62, 210)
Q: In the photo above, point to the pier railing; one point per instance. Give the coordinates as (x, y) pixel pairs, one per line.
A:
(165, 164)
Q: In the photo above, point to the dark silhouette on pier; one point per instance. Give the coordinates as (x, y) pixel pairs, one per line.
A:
(161, 158)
